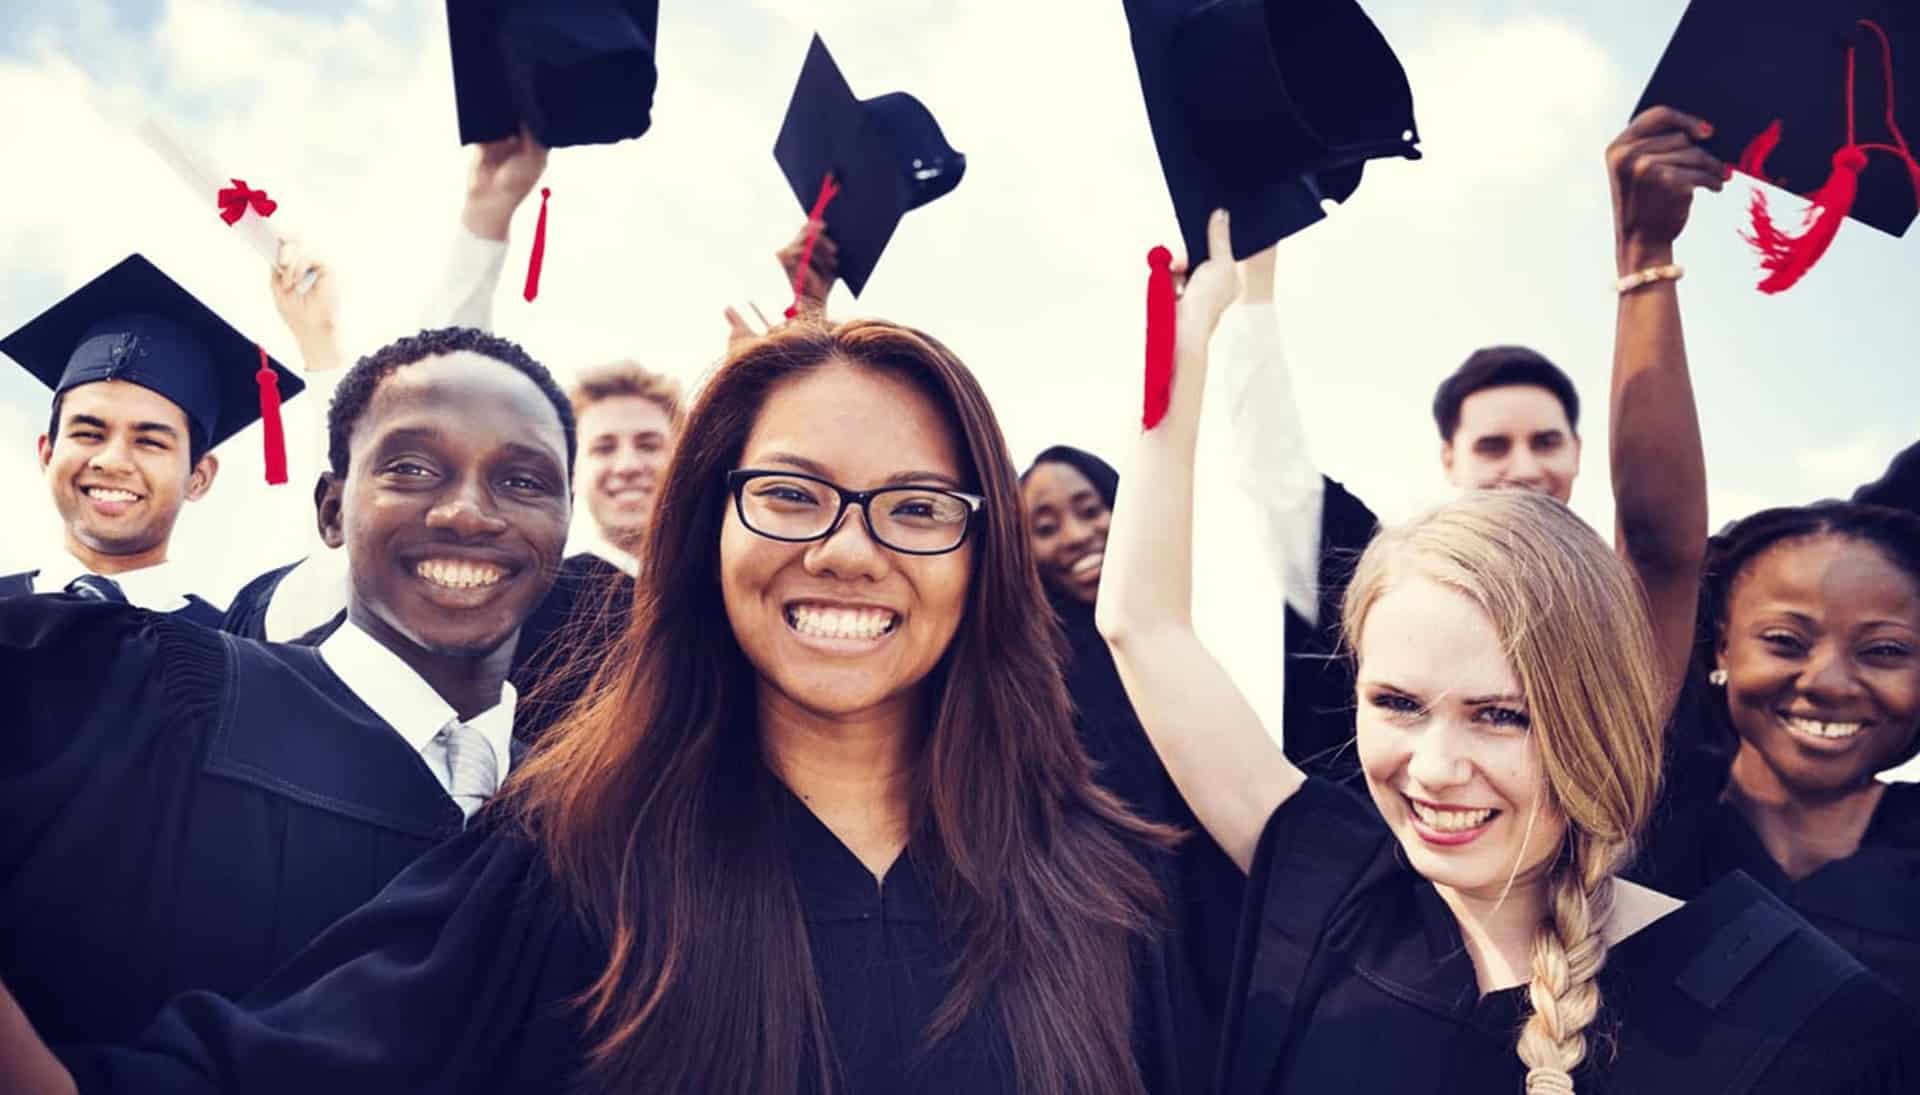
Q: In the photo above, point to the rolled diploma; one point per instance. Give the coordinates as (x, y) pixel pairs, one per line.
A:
(191, 170)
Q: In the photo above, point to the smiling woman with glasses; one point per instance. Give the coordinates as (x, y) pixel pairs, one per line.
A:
(821, 825)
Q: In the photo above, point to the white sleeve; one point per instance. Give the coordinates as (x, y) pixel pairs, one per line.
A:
(464, 297)
(1269, 451)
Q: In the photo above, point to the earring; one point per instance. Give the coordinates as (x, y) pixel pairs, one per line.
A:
(1717, 678)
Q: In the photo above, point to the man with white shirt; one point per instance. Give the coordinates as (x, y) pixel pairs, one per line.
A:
(231, 798)
(146, 381)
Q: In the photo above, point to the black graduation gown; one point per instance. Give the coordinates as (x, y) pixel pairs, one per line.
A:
(456, 980)
(1318, 703)
(194, 611)
(1207, 888)
(182, 809)
(1352, 978)
(559, 647)
(1869, 902)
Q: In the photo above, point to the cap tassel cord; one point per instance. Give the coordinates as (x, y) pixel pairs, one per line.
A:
(539, 252)
(828, 191)
(274, 436)
(1787, 256)
(1160, 330)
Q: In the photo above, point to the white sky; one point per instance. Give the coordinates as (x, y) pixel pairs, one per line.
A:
(1032, 270)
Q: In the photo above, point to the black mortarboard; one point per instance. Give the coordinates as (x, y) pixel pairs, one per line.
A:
(136, 324)
(1771, 77)
(886, 155)
(1266, 108)
(575, 71)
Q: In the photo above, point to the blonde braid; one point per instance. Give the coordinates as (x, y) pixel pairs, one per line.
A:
(1568, 953)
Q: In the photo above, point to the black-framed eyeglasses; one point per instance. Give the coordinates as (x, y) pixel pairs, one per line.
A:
(798, 508)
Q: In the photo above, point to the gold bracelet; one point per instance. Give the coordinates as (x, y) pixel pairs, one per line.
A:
(1639, 279)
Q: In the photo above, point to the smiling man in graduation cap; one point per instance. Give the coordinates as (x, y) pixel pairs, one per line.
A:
(146, 382)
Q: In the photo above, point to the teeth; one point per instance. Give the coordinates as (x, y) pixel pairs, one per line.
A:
(1087, 564)
(841, 623)
(457, 574)
(108, 494)
(1450, 821)
(1830, 730)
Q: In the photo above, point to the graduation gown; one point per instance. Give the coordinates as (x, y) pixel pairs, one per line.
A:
(560, 643)
(1318, 701)
(1869, 902)
(456, 980)
(180, 809)
(1353, 977)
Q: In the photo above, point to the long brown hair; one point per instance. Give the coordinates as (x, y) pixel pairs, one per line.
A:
(656, 811)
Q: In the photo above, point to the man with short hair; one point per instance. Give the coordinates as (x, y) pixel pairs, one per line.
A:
(1508, 417)
(146, 382)
(628, 418)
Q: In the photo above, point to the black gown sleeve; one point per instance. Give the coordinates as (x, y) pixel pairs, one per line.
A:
(100, 699)
(454, 979)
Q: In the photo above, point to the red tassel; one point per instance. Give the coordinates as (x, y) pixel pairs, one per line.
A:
(1753, 161)
(274, 436)
(539, 252)
(828, 190)
(1160, 329)
(1788, 256)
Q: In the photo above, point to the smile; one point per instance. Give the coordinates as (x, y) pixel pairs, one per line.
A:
(1821, 729)
(109, 494)
(1088, 565)
(458, 573)
(833, 622)
(1446, 825)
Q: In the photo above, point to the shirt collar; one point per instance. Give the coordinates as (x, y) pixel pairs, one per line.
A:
(153, 587)
(403, 699)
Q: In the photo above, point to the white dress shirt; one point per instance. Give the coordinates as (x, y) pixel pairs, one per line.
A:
(406, 702)
(1269, 450)
(464, 297)
(157, 587)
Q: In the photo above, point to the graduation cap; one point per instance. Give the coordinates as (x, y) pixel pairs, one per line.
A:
(575, 71)
(136, 324)
(1266, 108)
(1807, 95)
(860, 164)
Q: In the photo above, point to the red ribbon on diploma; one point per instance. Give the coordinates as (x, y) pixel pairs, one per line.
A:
(235, 200)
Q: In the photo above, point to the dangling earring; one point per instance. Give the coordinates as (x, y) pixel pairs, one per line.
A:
(1717, 678)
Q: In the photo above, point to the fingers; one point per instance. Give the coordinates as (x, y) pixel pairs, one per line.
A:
(1688, 167)
(1659, 119)
(1219, 237)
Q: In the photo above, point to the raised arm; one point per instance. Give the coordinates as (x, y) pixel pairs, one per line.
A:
(1659, 470)
(501, 175)
(1225, 765)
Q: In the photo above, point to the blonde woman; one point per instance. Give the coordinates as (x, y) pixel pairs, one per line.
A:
(1466, 932)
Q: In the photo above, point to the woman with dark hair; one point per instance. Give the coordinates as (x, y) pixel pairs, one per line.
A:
(1068, 497)
(1806, 687)
(821, 823)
